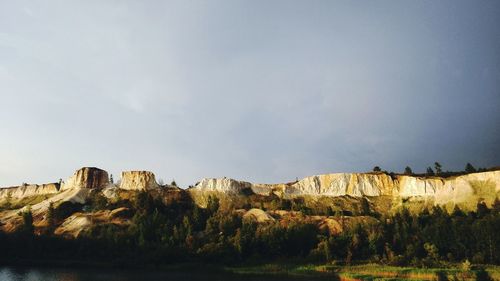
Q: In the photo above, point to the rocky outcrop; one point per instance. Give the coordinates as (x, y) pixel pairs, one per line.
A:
(321, 185)
(138, 180)
(441, 190)
(87, 177)
(225, 185)
(83, 178)
(356, 185)
(78, 223)
(465, 189)
(414, 186)
(28, 190)
(10, 219)
(258, 215)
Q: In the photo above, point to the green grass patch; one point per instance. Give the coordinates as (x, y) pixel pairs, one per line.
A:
(365, 272)
(32, 200)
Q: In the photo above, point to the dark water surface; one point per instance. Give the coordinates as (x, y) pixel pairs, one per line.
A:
(13, 273)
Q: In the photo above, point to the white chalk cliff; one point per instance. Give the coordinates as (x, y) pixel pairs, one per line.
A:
(87, 177)
(138, 180)
(27, 190)
(442, 190)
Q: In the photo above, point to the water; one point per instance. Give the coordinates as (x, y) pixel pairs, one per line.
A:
(11, 273)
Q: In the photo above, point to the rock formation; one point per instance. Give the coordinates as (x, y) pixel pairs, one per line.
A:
(441, 190)
(225, 185)
(340, 192)
(356, 185)
(465, 190)
(138, 180)
(257, 215)
(27, 190)
(87, 177)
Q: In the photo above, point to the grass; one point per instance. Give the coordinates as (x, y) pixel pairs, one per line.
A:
(366, 272)
(19, 203)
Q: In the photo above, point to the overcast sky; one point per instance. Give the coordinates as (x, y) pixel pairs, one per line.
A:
(264, 91)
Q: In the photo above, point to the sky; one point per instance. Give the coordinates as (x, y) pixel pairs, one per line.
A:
(263, 91)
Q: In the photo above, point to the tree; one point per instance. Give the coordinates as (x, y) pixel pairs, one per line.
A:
(244, 238)
(496, 206)
(377, 169)
(438, 168)
(27, 226)
(429, 172)
(111, 178)
(213, 204)
(482, 275)
(408, 171)
(482, 209)
(323, 250)
(469, 168)
(186, 223)
(98, 201)
(173, 183)
(51, 218)
(432, 259)
(365, 207)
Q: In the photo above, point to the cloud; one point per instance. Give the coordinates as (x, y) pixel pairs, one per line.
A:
(253, 90)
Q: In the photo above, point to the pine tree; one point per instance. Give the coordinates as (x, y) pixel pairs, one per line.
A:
(430, 172)
(438, 168)
(408, 171)
(469, 168)
(27, 227)
(51, 218)
(213, 204)
(377, 169)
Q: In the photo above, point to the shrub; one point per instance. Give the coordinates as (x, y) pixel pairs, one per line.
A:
(66, 209)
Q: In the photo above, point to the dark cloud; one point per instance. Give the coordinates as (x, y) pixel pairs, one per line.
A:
(263, 91)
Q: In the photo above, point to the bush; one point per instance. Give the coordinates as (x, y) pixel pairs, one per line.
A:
(482, 275)
(27, 228)
(98, 201)
(66, 209)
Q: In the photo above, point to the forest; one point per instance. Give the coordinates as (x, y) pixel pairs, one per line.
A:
(172, 233)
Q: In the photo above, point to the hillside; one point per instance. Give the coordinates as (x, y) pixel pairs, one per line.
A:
(335, 218)
(320, 199)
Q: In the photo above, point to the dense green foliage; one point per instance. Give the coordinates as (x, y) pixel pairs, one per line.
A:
(165, 233)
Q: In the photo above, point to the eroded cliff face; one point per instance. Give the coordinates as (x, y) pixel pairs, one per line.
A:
(442, 190)
(138, 180)
(87, 177)
(84, 178)
(467, 188)
(340, 192)
(342, 184)
(23, 191)
(225, 185)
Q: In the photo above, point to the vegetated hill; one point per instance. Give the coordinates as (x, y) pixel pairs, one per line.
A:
(377, 217)
(332, 201)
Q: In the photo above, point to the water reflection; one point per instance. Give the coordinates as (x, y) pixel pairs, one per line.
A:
(32, 274)
(61, 274)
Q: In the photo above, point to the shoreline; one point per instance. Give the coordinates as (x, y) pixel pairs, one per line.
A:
(359, 272)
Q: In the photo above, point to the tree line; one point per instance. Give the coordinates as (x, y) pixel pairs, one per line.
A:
(437, 171)
(162, 233)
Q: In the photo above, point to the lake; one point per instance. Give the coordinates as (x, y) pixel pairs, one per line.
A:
(12, 273)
